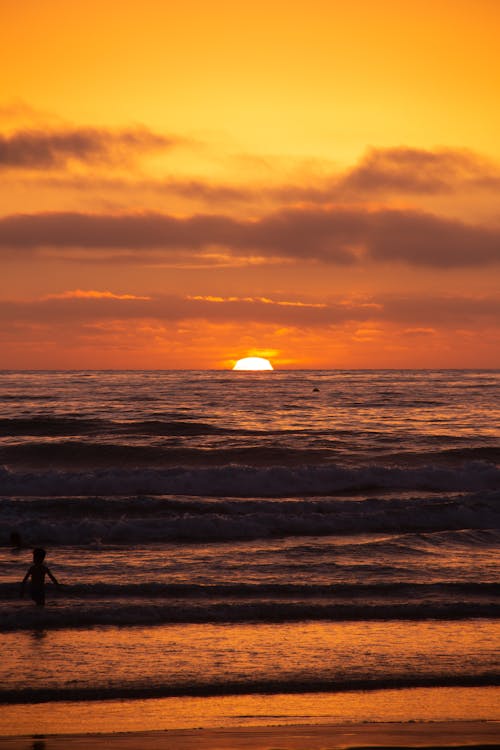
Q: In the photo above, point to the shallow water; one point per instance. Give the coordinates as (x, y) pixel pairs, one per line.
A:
(153, 714)
(229, 532)
(213, 659)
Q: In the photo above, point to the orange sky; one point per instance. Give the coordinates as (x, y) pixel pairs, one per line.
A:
(185, 184)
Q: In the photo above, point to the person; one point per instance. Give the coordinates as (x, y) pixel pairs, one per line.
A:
(37, 573)
(16, 541)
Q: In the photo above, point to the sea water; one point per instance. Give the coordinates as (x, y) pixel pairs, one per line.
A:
(270, 536)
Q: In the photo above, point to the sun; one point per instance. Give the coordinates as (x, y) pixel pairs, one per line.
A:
(253, 363)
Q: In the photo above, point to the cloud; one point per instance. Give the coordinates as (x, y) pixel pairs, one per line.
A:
(426, 311)
(422, 239)
(17, 113)
(379, 172)
(91, 294)
(68, 307)
(283, 234)
(420, 315)
(49, 149)
(200, 190)
(339, 235)
(410, 170)
(419, 332)
(380, 175)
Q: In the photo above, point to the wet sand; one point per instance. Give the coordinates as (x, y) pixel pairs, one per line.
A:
(484, 734)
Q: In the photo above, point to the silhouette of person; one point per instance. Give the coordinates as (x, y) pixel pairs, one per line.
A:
(37, 573)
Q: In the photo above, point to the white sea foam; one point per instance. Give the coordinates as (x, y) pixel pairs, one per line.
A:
(137, 521)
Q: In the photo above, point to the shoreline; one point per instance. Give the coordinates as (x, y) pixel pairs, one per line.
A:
(334, 736)
(409, 707)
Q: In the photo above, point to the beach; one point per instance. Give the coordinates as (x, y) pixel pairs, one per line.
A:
(325, 737)
(261, 722)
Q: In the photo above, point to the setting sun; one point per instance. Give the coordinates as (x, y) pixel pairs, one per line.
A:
(253, 363)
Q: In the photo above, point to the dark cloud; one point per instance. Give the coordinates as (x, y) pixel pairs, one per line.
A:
(416, 311)
(440, 311)
(389, 171)
(48, 149)
(399, 171)
(172, 308)
(411, 170)
(295, 234)
(422, 239)
(337, 236)
(379, 173)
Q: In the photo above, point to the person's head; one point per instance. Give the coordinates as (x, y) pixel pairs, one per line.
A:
(38, 555)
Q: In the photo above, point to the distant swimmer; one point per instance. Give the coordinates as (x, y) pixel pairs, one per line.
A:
(315, 390)
(37, 573)
(15, 540)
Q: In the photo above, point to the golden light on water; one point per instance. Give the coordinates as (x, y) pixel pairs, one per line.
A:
(253, 363)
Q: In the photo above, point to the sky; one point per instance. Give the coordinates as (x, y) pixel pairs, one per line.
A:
(186, 184)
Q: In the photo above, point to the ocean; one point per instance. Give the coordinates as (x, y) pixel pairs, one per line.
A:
(272, 535)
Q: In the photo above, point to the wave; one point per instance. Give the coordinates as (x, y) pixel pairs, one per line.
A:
(148, 520)
(81, 453)
(50, 426)
(47, 426)
(246, 687)
(489, 453)
(99, 520)
(160, 612)
(259, 591)
(42, 425)
(250, 481)
(27, 397)
(173, 427)
(173, 424)
(104, 452)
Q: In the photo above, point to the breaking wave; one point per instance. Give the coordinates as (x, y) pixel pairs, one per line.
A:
(144, 612)
(260, 591)
(237, 480)
(156, 519)
(248, 687)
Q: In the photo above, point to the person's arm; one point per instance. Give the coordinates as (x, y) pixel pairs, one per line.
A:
(52, 578)
(23, 584)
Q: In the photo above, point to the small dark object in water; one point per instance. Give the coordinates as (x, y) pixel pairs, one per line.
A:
(315, 390)
(15, 540)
